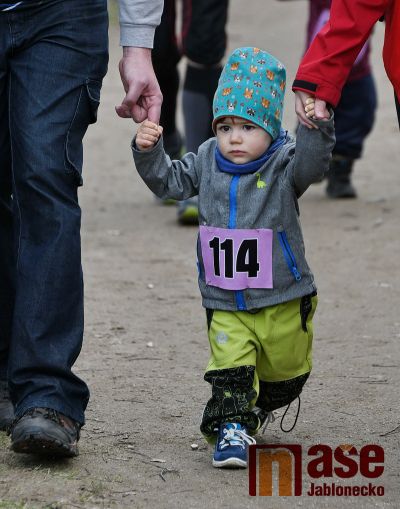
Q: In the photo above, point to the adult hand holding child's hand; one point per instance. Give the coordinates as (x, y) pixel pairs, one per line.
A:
(302, 105)
(147, 135)
(314, 110)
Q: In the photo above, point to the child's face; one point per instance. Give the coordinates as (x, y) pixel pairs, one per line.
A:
(240, 141)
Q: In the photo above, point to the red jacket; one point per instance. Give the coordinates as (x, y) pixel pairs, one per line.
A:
(319, 11)
(327, 63)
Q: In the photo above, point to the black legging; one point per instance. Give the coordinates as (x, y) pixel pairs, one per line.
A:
(397, 108)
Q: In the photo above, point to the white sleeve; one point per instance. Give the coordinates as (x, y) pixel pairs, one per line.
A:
(138, 20)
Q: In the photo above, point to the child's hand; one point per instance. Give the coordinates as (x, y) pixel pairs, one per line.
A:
(309, 108)
(147, 135)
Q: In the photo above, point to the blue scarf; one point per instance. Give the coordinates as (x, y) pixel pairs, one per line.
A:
(252, 166)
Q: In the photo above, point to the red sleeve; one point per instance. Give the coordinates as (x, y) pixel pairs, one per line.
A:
(328, 61)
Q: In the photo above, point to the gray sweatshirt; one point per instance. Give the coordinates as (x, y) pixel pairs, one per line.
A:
(264, 200)
(138, 20)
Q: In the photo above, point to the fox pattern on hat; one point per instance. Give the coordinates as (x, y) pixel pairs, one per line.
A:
(252, 86)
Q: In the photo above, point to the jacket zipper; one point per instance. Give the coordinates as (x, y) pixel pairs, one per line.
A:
(239, 295)
(288, 254)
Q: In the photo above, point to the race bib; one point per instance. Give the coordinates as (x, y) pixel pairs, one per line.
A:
(237, 259)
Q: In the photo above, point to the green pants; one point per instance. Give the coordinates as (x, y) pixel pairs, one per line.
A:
(260, 359)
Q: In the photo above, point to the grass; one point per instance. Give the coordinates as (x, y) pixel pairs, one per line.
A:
(7, 504)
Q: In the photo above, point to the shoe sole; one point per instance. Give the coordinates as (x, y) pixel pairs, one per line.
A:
(230, 463)
(41, 446)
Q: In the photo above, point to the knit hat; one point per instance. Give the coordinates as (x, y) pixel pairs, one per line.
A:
(252, 86)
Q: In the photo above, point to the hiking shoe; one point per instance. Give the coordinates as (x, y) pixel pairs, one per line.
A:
(45, 432)
(188, 212)
(6, 407)
(339, 179)
(231, 447)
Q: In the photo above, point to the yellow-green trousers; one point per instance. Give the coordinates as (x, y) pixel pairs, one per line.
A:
(258, 359)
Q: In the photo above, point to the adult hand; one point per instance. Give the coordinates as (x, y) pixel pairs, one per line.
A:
(143, 97)
(320, 110)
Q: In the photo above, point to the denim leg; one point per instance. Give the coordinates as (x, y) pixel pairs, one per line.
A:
(56, 70)
(7, 258)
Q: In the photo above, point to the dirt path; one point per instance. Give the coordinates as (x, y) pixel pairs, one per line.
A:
(146, 348)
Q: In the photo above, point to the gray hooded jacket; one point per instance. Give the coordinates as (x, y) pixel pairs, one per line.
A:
(272, 205)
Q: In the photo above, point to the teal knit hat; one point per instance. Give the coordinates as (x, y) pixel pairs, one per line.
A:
(252, 86)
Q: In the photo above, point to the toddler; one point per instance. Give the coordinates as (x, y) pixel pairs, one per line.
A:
(257, 288)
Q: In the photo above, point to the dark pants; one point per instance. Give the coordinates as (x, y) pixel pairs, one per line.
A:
(354, 116)
(53, 57)
(202, 39)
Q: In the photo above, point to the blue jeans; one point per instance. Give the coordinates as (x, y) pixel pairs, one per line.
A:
(53, 57)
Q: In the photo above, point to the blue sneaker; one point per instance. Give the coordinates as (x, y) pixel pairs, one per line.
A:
(231, 447)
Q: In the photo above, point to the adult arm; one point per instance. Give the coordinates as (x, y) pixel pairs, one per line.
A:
(324, 69)
(138, 21)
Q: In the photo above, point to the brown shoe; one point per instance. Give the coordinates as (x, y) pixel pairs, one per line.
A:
(45, 432)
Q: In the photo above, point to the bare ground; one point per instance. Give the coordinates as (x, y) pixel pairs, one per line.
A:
(146, 348)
